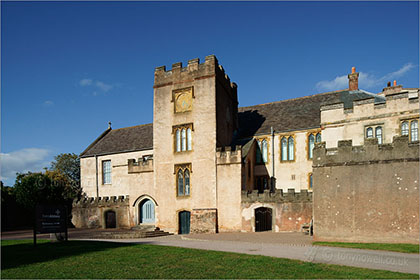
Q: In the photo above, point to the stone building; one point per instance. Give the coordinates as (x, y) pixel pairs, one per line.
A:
(205, 165)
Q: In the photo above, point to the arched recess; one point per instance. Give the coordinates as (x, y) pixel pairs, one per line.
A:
(263, 205)
(145, 210)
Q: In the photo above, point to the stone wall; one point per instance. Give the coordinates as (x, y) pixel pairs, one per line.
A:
(228, 188)
(90, 212)
(367, 193)
(289, 210)
(203, 221)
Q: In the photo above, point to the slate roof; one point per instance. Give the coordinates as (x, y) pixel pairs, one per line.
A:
(294, 114)
(120, 140)
(287, 115)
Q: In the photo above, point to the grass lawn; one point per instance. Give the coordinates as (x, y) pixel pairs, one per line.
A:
(402, 248)
(90, 259)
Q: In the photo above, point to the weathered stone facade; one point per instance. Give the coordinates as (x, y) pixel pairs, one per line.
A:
(91, 212)
(207, 165)
(367, 193)
(290, 210)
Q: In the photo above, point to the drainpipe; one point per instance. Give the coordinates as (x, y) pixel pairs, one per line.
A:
(97, 186)
(273, 180)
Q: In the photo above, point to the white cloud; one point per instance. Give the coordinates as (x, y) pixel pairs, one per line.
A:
(103, 86)
(338, 83)
(85, 82)
(96, 84)
(24, 160)
(48, 103)
(366, 80)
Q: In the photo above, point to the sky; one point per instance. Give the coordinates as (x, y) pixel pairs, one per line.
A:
(68, 68)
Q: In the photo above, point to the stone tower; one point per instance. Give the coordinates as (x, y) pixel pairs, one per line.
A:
(195, 111)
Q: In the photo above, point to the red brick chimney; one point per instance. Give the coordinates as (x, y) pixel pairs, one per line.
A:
(353, 79)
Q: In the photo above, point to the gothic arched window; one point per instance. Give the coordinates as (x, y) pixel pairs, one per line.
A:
(311, 144)
(264, 150)
(284, 149)
(291, 144)
(318, 138)
(187, 181)
(180, 181)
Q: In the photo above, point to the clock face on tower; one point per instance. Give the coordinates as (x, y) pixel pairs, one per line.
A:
(183, 100)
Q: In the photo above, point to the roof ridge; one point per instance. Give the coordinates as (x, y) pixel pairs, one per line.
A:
(296, 98)
(121, 128)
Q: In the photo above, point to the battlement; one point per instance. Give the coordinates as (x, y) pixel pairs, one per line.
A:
(142, 165)
(193, 71)
(347, 154)
(278, 196)
(105, 201)
(225, 155)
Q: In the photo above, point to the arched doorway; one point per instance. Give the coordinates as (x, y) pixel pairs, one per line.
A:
(263, 219)
(146, 212)
(184, 222)
(110, 219)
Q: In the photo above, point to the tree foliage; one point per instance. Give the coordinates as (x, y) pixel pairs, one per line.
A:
(50, 187)
(69, 165)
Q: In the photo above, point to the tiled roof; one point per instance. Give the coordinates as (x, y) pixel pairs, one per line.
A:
(120, 140)
(294, 114)
(288, 115)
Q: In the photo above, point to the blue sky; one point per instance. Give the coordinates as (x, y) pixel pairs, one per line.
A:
(67, 68)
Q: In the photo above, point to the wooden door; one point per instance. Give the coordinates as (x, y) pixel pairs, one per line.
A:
(184, 222)
(110, 219)
(147, 212)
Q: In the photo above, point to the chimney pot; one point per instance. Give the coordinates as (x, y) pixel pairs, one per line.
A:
(109, 124)
(395, 83)
(353, 70)
(388, 84)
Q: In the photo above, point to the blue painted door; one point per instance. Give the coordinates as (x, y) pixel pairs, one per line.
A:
(147, 212)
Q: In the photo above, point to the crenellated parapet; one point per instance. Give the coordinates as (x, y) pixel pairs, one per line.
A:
(227, 155)
(142, 165)
(369, 153)
(193, 71)
(105, 201)
(276, 197)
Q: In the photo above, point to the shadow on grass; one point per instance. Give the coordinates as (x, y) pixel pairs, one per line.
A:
(15, 253)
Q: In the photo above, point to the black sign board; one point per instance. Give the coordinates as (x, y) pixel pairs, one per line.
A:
(50, 219)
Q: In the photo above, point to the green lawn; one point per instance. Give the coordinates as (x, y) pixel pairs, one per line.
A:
(403, 248)
(89, 259)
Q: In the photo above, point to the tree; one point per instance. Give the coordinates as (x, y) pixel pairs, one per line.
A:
(68, 164)
(50, 187)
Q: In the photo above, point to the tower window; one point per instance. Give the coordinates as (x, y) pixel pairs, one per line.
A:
(183, 179)
(183, 137)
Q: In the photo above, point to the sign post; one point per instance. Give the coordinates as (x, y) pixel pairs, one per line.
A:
(50, 219)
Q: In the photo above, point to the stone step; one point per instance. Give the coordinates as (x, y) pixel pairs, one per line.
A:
(131, 234)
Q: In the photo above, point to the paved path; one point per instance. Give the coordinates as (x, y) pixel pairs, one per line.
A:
(373, 259)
